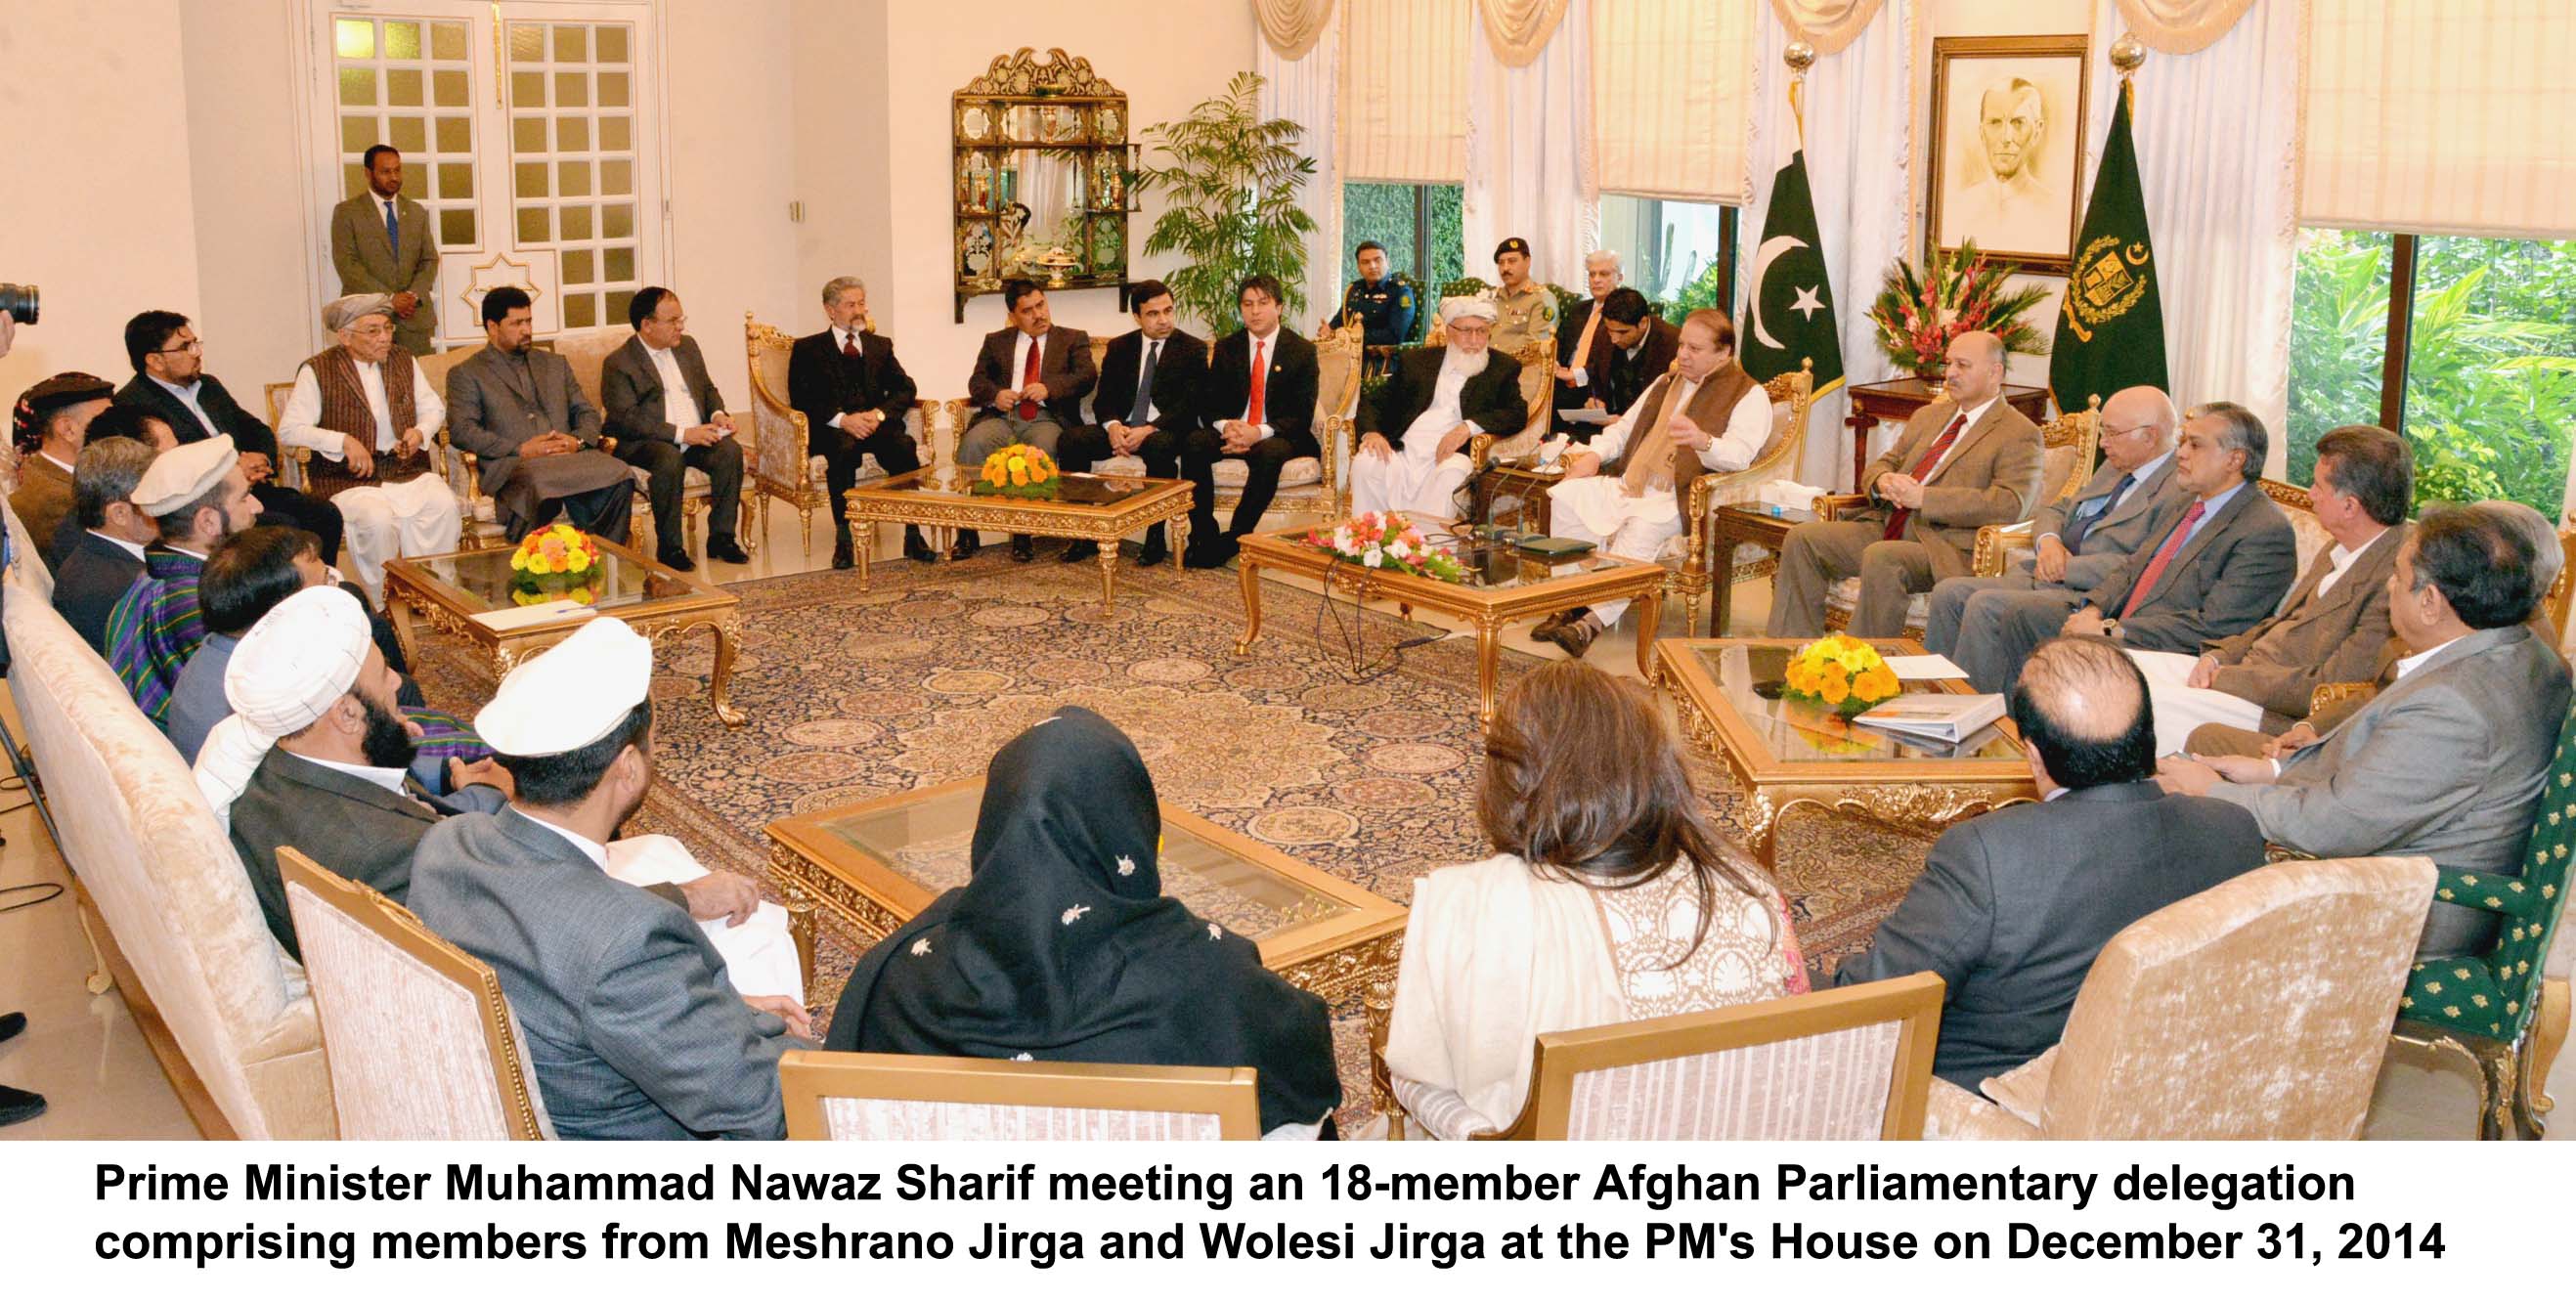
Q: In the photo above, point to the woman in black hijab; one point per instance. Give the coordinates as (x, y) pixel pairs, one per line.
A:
(1062, 947)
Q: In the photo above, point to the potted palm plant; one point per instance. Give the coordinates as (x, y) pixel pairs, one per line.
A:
(1229, 184)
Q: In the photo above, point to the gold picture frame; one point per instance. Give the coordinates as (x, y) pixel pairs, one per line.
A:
(2010, 179)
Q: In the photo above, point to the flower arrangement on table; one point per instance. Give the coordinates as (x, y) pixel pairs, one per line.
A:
(1386, 540)
(556, 562)
(1841, 674)
(1918, 314)
(1021, 470)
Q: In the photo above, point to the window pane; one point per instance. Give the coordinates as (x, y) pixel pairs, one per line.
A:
(612, 43)
(402, 40)
(572, 89)
(617, 221)
(1383, 213)
(2491, 370)
(572, 180)
(528, 135)
(574, 218)
(612, 90)
(455, 135)
(533, 226)
(449, 89)
(354, 38)
(354, 179)
(402, 87)
(532, 180)
(410, 135)
(1448, 234)
(456, 228)
(357, 85)
(527, 43)
(447, 41)
(576, 264)
(580, 311)
(2338, 339)
(618, 302)
(527, 90)
(617, 177)
(572, 45)
(1671, 251)
(456, 180)
(618, 265)
(616, 134)
(572, 135)
(357, 132)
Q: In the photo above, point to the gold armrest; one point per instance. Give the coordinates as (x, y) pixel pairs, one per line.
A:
(1830, 506)
(2326, 696)
(300, 460)
(1340, 443)
(1378, 1004)
(1478, 446)
(1994, 541)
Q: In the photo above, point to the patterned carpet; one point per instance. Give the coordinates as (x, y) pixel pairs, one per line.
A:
(855, 695)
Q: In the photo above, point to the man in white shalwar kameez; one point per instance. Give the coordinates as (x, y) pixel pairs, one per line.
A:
(367, 411)
(1707, 414)
(1411, 456)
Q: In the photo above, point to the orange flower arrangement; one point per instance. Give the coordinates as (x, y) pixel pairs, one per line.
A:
(1841, 674)
(556, 561)
(1020, 470)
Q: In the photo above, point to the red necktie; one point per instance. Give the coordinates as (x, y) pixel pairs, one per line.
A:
(1260, 379)
(1029, 408)
(1931, 457)
(850, 348)
(2164, 556)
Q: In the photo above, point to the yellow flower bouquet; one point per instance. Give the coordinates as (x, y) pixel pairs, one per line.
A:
(555, 562)
(1020, 470)
(1841, 674)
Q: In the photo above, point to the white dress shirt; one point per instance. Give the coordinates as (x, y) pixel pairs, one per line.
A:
(1748, 426)
(55, 459)
(590, 849)
(679, 406)
(2341, 558)
(842, 341)
(300, 427)
(1020, 346)
(133, 549)
(390, 779)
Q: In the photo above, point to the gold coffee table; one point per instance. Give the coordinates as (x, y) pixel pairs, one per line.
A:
(1111, 507)
(1502, 586)
(1787, 753)
(448, 592)
(873, 866)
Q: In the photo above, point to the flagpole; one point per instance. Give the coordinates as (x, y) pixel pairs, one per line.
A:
(1800, 56)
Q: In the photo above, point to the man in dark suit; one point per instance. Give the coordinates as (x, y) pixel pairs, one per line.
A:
(1583, 345)
(2013, 906)
(1642, 348)
(520, 411)
(2219, 561)
(1414, 431)
(667, 417)
(381, 243)
(1027, 388)
(1260, 410)
(633, 1030)
(1148, 398)
(108, 556)
(854, 395)
(170, 382)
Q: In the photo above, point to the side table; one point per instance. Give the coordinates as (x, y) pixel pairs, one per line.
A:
(1734, 526)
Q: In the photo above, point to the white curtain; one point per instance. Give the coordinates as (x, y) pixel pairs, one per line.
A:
(1307, 90)
(1861, 122)
(2216, 132)
(1407, 94)
(1529, 156)
(1672, 99)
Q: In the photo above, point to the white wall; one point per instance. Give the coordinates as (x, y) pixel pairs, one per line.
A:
(260, 291)
(94, 138)
(729, 135)
(842, 134)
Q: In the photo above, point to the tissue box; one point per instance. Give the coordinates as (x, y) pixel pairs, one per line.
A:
(1782, 495)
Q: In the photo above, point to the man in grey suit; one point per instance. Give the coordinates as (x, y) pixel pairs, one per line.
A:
(2076, 544)
(2013, 907)
(667, 417)
(2445, 762)
(632, 1028)
(2218, 561)
(520, 411)
(381, 244)
(1027, 388)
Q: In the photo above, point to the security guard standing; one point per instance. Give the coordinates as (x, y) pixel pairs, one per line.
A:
(1528, 308)
(1385, 306)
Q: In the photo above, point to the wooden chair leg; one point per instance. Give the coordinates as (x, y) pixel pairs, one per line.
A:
(2496, 1087)
(2547, 1036)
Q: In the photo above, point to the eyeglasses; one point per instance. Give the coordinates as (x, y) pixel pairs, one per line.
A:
(192, 346)
(2124, 433)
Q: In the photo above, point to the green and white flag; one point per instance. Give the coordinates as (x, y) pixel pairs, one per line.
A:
(1789, 309)
(2111, 329)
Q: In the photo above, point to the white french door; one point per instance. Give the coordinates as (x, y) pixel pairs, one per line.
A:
(530, 130)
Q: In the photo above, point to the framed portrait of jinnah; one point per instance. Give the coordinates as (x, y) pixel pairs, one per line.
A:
(2007, 139)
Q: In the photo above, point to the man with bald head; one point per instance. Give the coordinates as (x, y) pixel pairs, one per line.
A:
(2077, 543)
(1966, 461)
(2013, 906)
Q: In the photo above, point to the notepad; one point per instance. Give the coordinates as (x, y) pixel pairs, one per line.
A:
(544, 612)
(1915, 669)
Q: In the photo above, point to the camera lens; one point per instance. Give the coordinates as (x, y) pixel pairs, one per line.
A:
(19, 301)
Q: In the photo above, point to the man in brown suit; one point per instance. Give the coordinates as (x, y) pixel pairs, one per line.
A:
(381, 244)
(52, 421)
(1027, 388)
(1963, 462)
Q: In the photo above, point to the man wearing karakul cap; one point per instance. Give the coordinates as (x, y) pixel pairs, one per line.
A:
(632, 1029)
(197, 495)
(51, 422)
(1411, 455)
(367, 413)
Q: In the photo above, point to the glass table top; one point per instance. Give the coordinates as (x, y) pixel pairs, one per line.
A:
(1495, 568)
(927, 840)
(484, 577)
(1077, 490)
(1749, 678)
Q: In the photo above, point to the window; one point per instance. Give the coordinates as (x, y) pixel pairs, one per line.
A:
(1679, 255)
(1422, 227)
(2462, 344)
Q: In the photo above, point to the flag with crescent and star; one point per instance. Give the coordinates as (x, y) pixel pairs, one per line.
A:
(1789, 309)
(2111, 327)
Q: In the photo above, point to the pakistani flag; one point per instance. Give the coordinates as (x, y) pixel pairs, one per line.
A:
(2111, 331)
(1789, 315)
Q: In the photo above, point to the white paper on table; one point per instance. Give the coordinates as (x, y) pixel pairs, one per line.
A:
(760, 955)
(502, 621)
(1915, 669)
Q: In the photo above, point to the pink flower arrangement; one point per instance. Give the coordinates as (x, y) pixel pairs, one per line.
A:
(1918, 314)
(1387, 540)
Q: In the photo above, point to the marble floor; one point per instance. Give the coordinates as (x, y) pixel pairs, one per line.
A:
(85, 1055)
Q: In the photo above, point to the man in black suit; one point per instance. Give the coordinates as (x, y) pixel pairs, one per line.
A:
(1411, 456)
(1641, 350)
(1027, 388)
(1147, 399)
(108, 555)
(170, 381)
(1260, 410)
(2013, 907)
(667, 416)
(854, 395)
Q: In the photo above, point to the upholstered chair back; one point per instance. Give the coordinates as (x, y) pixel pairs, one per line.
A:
(862, 1096)
(2258, 1009)
(781, 444)
(587, 352)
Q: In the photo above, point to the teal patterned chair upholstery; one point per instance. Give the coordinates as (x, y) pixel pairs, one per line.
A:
(2486, 1006)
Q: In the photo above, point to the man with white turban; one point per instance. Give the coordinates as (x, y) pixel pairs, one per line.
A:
(367, 412)
(1414, 431)
(637, 1034)
(1707, 414)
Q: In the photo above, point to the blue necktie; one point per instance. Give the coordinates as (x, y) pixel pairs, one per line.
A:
(2073, 534)
(393, 228)
(1144, 408)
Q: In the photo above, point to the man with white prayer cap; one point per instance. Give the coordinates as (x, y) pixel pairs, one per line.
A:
(1411, 456)
(1706, 414)
(197, 496)
(367, 412)
(631, 1026)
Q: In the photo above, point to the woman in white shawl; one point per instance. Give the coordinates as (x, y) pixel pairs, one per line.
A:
(1609, 899)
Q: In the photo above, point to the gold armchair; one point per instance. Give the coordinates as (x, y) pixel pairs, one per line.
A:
(2072, 439)
(779, 460)
(1793, 397)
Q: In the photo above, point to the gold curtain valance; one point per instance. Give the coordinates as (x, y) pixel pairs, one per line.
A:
(1292, 26)
(1828, 25)
(1519, 29)
(2181, 26)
